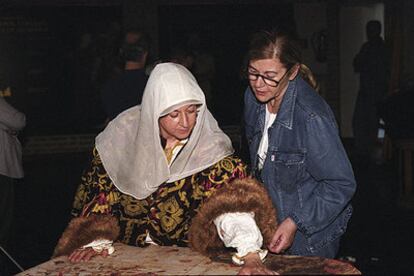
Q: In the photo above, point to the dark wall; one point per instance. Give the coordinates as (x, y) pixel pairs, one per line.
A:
(224, 31)
(54, 60)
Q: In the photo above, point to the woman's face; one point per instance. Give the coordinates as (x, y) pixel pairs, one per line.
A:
(178, 124)
(268, 79)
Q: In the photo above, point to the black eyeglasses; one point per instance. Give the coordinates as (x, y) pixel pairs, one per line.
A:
(268, 81)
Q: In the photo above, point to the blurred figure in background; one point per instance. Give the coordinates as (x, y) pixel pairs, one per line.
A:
(397, 112)
(372, 64)
(182, 56)
(126, 90)
(203, 67)
(11, 122)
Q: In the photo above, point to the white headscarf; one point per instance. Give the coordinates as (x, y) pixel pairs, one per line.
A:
(130, 146)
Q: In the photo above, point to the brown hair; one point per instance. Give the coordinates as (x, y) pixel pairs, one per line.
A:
(279, 44)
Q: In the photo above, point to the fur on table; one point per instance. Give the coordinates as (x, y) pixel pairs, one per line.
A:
(83, 230)
(241, 195)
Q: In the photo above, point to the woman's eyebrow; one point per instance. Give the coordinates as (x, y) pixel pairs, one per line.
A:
(251, 67)
(266, 72)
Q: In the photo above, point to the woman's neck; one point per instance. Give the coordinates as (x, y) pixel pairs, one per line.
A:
(170, 143)
(273, 105)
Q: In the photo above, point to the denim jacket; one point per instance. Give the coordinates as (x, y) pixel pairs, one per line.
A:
(306, 171)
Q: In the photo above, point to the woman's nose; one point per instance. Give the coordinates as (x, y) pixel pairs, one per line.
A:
(259, 82)
(184, 120)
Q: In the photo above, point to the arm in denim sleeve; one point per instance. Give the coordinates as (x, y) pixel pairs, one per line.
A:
(328, 164)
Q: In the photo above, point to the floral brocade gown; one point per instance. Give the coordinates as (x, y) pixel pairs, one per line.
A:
(165, 215)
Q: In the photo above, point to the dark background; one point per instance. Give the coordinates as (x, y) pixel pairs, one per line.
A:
(55, 61)
(225, 32)
(56, 58)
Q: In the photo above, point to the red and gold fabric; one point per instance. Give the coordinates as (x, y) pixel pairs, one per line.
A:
(166, 214)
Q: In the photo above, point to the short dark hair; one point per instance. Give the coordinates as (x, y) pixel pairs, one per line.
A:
(135, 50)
(374, 26)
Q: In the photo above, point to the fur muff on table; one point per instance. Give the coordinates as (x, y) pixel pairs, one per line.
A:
(83, 230)
(242, 195)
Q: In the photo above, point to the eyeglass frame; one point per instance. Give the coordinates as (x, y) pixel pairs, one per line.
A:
(264, 78)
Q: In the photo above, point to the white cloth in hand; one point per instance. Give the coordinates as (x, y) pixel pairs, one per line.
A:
(239, 230)
(100, 245)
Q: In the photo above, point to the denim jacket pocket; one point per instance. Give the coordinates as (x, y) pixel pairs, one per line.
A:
(287, 167)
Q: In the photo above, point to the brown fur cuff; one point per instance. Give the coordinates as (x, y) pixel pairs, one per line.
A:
(83, 230)
(241, 195)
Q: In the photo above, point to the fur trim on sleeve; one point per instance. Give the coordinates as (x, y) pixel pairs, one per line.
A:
(241, 195)
(83, 230)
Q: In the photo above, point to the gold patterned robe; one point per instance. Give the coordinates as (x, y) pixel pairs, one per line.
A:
(166, 214)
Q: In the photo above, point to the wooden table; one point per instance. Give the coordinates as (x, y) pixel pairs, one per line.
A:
(158, 260)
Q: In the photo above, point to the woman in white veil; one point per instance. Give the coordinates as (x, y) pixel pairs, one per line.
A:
(152, 167)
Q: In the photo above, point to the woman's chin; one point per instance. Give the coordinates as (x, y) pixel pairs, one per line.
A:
(262, 98)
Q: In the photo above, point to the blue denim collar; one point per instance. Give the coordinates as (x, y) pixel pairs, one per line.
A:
(287, 107)
(286, 110)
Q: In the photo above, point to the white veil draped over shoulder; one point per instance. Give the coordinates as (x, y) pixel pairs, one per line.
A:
(130, 146)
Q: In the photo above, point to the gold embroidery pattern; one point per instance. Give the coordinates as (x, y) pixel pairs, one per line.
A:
(166, 214)
(80, 197)
(170, 214)
(133, 207)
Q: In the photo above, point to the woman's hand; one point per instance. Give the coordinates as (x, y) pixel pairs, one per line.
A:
(284, 236)
(84, 255)
(254, 266)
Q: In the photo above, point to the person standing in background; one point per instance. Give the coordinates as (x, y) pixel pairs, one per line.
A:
(11, 122)
(126, 90)
(203, 65)
(372, 64)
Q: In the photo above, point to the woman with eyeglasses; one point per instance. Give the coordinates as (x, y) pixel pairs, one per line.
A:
(295, 148)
